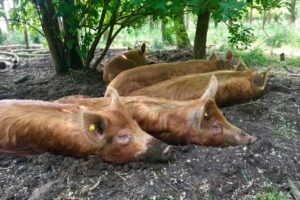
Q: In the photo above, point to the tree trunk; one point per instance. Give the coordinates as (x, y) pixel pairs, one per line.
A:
(26, 41)
(51, 29)
(201, 35)
(165, 33)
(182, 38)
(264, 19)
(4, 16)
(293, 11)
(151, 23)
(71, 42)
(251, 15)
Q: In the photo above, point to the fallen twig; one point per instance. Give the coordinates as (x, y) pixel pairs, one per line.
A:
(16, 57)
(290, 71)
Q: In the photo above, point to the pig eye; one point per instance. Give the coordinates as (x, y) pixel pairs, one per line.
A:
(206, 115)
(94, 128)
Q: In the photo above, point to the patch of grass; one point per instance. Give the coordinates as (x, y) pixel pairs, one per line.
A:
(255, 57)
(293, 62)
(273, 194)
(283, 36)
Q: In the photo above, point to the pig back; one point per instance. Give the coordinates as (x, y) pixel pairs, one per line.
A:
(136, 78)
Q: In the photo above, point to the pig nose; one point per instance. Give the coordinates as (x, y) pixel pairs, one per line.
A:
(252, 139)
(158, 152)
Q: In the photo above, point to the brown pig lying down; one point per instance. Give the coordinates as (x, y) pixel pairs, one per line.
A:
(177, 122)
(234, 86)
(130, 59)
(33, 127)
(144, 76)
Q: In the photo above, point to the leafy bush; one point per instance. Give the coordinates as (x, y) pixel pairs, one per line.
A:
(293, 62)
(15, 37)
(283, 36)
(274, 195)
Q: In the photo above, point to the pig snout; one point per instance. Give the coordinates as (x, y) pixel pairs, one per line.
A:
(158, 151)
(243, 138)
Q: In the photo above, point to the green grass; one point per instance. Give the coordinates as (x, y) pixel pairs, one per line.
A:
(273, 194)
(255, 57)
(293, 62)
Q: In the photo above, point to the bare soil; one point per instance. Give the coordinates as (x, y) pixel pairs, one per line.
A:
(197, 172)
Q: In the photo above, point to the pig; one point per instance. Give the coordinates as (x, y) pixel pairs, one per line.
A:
(33, 127)
(197, 121)
(130, 59)
(234, 86)
(136, 78)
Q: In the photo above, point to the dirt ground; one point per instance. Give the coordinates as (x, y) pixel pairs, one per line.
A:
(197, 172)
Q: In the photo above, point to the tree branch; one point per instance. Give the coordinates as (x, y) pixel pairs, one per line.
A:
(21, 22)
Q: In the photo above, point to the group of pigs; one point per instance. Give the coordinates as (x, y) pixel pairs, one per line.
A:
(146, 109)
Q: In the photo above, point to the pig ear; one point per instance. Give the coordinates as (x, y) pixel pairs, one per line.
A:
(260, 79)
(143, 48)
(229, 55)
(211, 89)
(213, 56)
(241, 65)
(229, 58)
(204, 111)
(113, 93)
(93, 124)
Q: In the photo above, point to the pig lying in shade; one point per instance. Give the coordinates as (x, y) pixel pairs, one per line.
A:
(130, 59)
(33, 127)
(234, 86)
(177, 122)
(136, 78)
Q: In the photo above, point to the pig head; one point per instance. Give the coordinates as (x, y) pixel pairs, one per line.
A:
(234, 86)
(136, 78)
(178, 122)
(130, 59)
(32, 127)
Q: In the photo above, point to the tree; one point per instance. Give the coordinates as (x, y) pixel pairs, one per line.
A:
(3, 14)
(23, 18)
(293, 11)
(73, 28)
(224, 11)
(182, 38)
